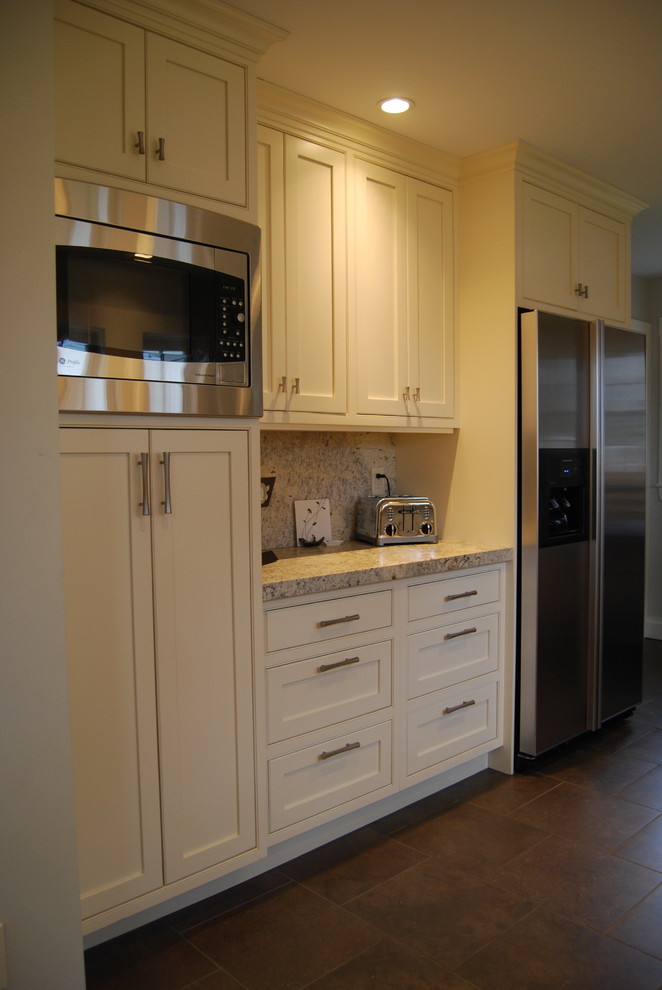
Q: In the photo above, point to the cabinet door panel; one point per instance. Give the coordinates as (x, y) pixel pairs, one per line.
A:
(316, 280)
(108, 600)
(603, 243)
(271, 218)
(550, 248)
(99, 90)
(381, 290)
(196, 103)
(204, 647)
(430, 265)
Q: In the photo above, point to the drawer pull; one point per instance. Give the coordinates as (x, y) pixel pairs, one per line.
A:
(336, 752)
(463, 632)
(339, 663)
(462, 594)
(456, 708)
(334, 622)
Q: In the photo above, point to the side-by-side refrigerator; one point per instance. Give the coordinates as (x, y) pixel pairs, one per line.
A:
(582, 520)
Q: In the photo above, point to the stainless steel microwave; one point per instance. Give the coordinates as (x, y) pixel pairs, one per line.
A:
(158, 305)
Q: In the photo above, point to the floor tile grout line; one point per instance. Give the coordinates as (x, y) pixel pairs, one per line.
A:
(236, 907)
(633, 908)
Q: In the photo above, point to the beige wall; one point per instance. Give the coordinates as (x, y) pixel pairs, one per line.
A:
(38, 882)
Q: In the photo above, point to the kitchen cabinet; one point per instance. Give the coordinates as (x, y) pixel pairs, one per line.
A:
(358, 275)
(375, 690)
(329, 707)
(572, 258)
(158, 603)
(302, 211)
(404, 295)
(454, 667)
(139, 104)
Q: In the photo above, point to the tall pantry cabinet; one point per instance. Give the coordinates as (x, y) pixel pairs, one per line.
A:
(159, 521)
(157, 571)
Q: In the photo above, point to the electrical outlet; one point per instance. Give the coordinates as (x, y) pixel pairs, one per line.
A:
(379, 483)
(267, 489)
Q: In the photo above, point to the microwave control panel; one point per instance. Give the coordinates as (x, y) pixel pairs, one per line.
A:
(232, 324)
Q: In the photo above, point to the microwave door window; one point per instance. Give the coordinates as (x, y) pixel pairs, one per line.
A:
(114, 304)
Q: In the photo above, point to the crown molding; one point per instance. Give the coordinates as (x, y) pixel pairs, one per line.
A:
(210, 25)
(524, 159)
(298, 115)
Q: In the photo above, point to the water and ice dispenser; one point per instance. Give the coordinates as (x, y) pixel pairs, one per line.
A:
(564, 492)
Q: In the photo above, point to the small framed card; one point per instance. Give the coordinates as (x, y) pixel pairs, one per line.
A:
(313, 522)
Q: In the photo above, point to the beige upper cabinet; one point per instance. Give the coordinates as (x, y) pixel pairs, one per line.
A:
(160, 654)
(134, 104)
(572, 258)
(358, 277)
(302, 212)
(404, 296)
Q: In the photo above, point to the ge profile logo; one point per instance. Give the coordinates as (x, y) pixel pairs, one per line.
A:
(62, 360)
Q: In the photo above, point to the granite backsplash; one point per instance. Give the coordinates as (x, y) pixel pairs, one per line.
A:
(314, 465)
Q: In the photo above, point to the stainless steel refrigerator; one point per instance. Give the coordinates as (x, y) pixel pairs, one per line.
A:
(582, 520)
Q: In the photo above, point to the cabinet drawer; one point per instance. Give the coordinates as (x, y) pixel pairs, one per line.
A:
(441, 657)
(458, 722)
(322, 777)
(451, 594)
(318, 622)
(312, 694)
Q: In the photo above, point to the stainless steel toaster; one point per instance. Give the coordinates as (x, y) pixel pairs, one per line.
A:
(395, 519)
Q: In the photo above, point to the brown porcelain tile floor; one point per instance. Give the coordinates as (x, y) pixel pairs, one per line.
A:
(545, 880)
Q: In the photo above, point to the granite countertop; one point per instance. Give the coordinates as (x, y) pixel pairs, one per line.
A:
(309, 571)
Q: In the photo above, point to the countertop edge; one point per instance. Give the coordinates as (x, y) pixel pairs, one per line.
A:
(295, 577)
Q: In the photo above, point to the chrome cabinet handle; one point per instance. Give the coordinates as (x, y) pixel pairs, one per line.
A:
(296, 388)
(339, 663)
(581, 290)
(337, 752)
(140, 143)
(160, 151)
(456, 708)
(282, 385)
(144, 470)
(417, 394)
(334, 622)
(462, 594)
(405, 393)
(464, 632)
(167, 503)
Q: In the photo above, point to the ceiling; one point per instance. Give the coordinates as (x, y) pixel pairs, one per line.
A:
(579, 79)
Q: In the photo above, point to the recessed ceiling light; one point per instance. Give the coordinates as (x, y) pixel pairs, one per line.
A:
(396, 104)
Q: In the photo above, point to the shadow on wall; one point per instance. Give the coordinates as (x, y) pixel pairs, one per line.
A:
(312, 465)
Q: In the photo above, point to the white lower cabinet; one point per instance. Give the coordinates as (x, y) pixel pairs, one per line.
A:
(408, 687)
(456, 723)
(454, 670)
(329, 775)
(156, 533)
